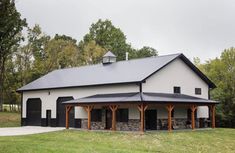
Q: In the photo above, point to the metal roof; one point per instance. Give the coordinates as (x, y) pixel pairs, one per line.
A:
(131, 71)
(140, 97)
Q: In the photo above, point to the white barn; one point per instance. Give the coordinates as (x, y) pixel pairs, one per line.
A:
(154, 93)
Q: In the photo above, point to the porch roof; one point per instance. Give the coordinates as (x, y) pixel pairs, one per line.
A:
(137, 97)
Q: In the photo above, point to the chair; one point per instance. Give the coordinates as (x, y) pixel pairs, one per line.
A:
(163, 126)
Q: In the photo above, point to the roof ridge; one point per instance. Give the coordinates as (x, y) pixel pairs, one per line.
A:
(82, 66)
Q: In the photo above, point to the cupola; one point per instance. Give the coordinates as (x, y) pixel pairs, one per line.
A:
(109, 58)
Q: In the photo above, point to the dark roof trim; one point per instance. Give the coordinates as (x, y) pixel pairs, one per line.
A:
(192, 66)
(119, 83)
(149, 102)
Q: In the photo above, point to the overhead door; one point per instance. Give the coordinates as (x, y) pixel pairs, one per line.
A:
(61, 112)
(33, 113)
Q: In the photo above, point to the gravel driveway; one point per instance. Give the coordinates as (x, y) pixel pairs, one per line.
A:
(26, 130)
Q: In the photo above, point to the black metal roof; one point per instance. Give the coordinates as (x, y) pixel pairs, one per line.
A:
(140, 97)
(131, 71)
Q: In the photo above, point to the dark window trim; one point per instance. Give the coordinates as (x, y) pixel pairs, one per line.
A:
(177, 89)
(198, 91)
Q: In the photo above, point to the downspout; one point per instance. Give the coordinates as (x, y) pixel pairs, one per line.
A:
(209, 93)
(140, 91)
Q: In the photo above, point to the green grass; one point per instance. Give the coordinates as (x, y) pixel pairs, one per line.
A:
(218, 140)
(205, 141)
(9, 119)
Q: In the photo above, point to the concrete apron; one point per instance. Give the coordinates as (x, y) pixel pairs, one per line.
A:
(26, 130)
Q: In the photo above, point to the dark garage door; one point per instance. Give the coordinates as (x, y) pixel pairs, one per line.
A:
(61, 112)
(34, 107)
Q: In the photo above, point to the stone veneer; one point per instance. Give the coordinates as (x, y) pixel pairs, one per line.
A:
(131, 125)
(180, 123)
(134, 124)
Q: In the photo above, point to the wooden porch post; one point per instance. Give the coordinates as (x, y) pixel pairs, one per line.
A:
(88, 109)
(212, 110)
(113, 109)
(193, 108)
(67, 109)
(142, 109)
(169, 107)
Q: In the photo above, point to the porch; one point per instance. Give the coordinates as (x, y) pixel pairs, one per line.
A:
(145, 104)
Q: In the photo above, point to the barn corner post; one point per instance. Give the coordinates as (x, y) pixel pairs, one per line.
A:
(113, 109)
(169, 108)
(142, 107)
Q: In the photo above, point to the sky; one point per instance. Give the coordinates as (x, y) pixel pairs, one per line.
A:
(196, 28)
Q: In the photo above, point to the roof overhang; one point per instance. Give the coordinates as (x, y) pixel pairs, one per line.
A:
(81, 86)
(137, 97)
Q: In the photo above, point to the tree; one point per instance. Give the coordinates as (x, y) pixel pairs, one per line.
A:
(60, 52)
(222, 72)
(146, 52)
(11, 25)
(91, 53)
(109, 37)
(106, 35)
(37, 42)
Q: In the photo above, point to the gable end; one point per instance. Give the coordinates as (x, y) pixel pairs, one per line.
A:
(192, 66)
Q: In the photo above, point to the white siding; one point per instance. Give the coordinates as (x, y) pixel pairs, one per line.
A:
(179, 74)
(49, 101)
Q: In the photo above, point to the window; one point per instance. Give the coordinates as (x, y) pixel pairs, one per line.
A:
(177, 90)
(96, 115)
(198, 91)
(122, 115)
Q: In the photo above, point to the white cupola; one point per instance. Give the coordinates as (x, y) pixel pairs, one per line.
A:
(109, 58)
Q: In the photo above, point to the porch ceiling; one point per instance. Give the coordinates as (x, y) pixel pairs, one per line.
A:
(137, 97)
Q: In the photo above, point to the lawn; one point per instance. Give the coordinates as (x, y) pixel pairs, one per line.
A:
(218, 140)
(9, 119)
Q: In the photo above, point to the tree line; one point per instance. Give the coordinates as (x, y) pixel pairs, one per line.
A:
(221, 71)
(26, 57)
